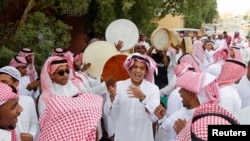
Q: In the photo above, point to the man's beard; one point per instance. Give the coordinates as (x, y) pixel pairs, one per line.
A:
(10, 127)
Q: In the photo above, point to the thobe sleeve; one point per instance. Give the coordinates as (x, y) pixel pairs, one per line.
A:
(109, 123)
(169, 88)
(99, 89)
(167, 123)
(164, 123)
(152, 99)
(107, 105)
(115, 107)
(23, 87)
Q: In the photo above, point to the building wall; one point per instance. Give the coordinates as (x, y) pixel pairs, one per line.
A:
(171, 22)
(13, 11)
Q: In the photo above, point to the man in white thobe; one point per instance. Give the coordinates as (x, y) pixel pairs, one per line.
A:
(243, 88)
(134, 100)
(231, 72)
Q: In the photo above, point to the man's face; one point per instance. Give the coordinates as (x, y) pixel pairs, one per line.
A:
(208, 46)
(231, 53)
(224, 54)
(77, 65)
(141, 49)
(220, 36)
(29, 59)
(9, 112)
(22, 70)
(61, 75)
(7, 79)
(138, 72)
(185, 95)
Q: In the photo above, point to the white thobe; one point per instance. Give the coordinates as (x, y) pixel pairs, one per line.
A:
(169, 88)
(208, 55)
(220, 43)
(230, 99)
(174, 102)
(133, 122)
(92, 85)
(173, 62)
(215, 68)
(160, 135)
(243, 88)
(5, 135)
(245, 52)
(167, 123)
(109, 123)
(27, 121)
(23, 83)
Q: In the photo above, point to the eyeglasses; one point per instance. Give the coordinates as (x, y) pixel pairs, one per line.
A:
(61, 72)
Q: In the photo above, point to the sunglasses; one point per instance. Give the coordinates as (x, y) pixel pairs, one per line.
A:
(62, 72)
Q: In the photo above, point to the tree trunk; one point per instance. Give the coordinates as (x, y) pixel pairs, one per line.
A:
(25, 14)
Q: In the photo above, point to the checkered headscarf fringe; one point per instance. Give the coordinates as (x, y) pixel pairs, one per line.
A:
(6, 93)
(231, 71)
(198, 50)
(204, 115)
(32, 70)
(151, 64)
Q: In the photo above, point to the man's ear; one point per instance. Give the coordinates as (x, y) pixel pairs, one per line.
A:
(16, 83)
(51, 76)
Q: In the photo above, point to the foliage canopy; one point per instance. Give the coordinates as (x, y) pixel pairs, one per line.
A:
(42, 30)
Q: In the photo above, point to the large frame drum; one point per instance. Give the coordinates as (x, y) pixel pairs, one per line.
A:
(124, 30)
(97, 54)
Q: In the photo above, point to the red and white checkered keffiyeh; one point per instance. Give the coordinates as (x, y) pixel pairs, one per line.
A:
(182, 68)
(231, 72)
(47, 83)
(221, 53)
(71, 118)
(151, 64)
(18, 61)
(71, 58)
(198, 50)
(191, 81)
(237, 54)
(57, 52)
(199, 126)
(187, 58)
(202, 84)
(24, 52)
(6, 93)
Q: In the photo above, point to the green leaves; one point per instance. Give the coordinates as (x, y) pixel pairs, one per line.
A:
(67, 7)
(42, 34)
(5, 56)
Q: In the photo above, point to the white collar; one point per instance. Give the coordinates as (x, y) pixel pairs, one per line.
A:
(5, 135)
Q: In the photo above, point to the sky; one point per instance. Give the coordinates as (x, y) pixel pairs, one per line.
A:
(236, 7)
